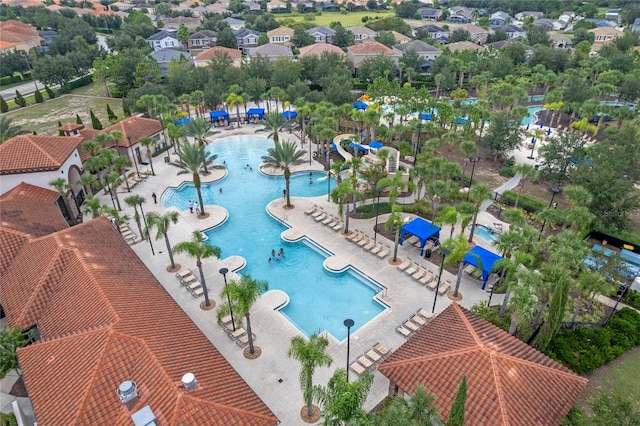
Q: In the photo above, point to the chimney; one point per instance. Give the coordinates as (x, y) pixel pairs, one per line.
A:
(127, 392)
(189, 382)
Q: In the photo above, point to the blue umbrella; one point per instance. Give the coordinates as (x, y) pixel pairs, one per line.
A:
(541, 124)
(527, 127)
(549, 131)
(376, 144)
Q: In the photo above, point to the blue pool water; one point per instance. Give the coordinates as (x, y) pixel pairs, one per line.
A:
(319, 300)
(484, 232)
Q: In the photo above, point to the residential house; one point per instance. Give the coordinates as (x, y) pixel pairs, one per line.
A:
(460, 15)
(164, 57)
(276, 6)
(529, 14)
(101, 351)
(318, 49)
(613, 15)
(438, 34)
(567, 16)
(459, 46)
(369, 50)
(361, 33)
(635, 27)
(202, 39)
(512, 31)
(424, 50)
(602, 23)
(604, 36)
(252, 6)
(188, 21)
(499, 19)
(269, 51)
(281, 35)
(203, 58)
(246, 38)
(478, 34)
(560, 41)
(512, 381)
(234, 24)
(430, 14)
(550, 24)
(322, 34)
(19, 36)
(164, 39)
(46, 38)
(330, 7)
(400, 38)
(498, 45)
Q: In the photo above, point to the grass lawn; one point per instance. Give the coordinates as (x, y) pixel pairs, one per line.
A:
(348, 20)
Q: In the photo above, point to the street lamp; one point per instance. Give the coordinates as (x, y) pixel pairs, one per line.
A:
(329, 175)
(555, 192)
(375, 230)
(106, 182)
(224, 271)
(135, 162)
(146, 227)
(473, 161)
(533, 146)
(444, 252)
(348, 323)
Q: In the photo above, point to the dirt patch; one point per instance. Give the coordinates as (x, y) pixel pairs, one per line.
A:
(19, 389)
(172, 270)
(257, 351)
(314, 417)
(456, 299)
(212, 304)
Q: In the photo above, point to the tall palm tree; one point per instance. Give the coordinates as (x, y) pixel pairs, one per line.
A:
(148, 142)
(458, 248)
(92, 206)
(88, 182)
(523, 300)
(236, 100)
(199, 129)
(62, 186)
(284, 155)
(393, 224)
(134, 201)
(115, 180)
(340, 195)
(416, 409)
(162, 224)
(342, 399)
(8, 130)
(193, 159)
(114, 214)
(449, 216)
(526, 171)
(200, 250)
(120, 165)
(311, 354)
(273, 122)
(243, 294)
(395, 185)
(478, 194)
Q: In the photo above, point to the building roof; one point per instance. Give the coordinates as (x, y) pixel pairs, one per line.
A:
(372, 48)
(161, 35)
(103, 324)
(233, 21)
(280, 31)
(430, 28)
(459, 46)
(399, 36)
(31, 210)
(35, 153)
(507, 380)
(322, 30)
(417, 46)
(427, 12)
(474, 29)
(209, 54)
(203, 34)
(182, 20)
(166, 55)
(243, 32)
(359, 29)
(319, 48)
(136, 128)
(270, 50)
(604, 31)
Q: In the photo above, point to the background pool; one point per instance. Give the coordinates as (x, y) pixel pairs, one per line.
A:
(484, 232)
(319, 300)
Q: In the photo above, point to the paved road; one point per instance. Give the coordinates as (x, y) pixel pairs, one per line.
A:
(24, 89)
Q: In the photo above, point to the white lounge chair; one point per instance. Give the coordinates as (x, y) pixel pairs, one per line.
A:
(405, 264)
(320, 217)
(381, 349)
(366, 362)
(403, 331)
(197, 292)
(194, 285)
(369, 245)
(357, 368)
(444, 287)
(183, 273)
(364, 241)
(418, 320)
(425, 314)
(384, 252)
(189, 279)
(411, 325)
(311, 210)
(353, 235)
(427, 278)
(412, 269)
(419, 274)
(373, 355)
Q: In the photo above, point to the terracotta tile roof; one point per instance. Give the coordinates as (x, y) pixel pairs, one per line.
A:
(209, 54)
(10, 244)
(70, 127)
(31, 210)
(459, 46)
(280, 31)
(508, 382)
(372, 48)
(105, 319)
(319, 48)
(35, 153)
(6, 45)
(136, 128)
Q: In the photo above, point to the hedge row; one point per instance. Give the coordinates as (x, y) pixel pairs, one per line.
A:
(583, 350)
(11, 79)
(528, 204)
(79, 82)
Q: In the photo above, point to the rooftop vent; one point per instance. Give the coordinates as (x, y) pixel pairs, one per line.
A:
(127, 391)
(144, 417)
(189, 381)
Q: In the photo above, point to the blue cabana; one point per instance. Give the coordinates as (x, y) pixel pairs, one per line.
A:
(182, 121)
(426, 116)
(376, 144)
(215, 115)
(256, 111)
(422, 229)
(483, 259)
(289, 114)
(360, 105)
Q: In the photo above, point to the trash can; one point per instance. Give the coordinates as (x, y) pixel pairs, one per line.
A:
(427, 253)
(166, 159)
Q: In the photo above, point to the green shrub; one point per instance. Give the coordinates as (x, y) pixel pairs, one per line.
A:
(369, 210)
(79, 120)
(508, 168)
(38, 97)
(50, 93)
(110, 114)
(632, 298)
(8, 419)
(526, 203)
(20, 100)
(95, 122)
(4, 107)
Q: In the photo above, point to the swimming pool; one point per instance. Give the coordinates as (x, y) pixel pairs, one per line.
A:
(485, 233)
(319, 299)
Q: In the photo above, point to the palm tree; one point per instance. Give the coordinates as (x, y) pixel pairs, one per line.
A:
(8, 130)
(200, 250)
(200, 130)
(449, 216)
(162, 224)
(393, 224)
(478, 194)
(115, 180)
(284, 155)
(115, 215)
(395, 185)
(273, 122)
(92, 206)
(457, 248)
(148, 142)
(193, 159)
(134, 201)
(523, 300)
(340, 195)
(88, 182)
(62, 186)
(119, 165)
(235, 100)
(416, 409)
(526, 172)
(243, 294)
(342, 400)
(311, 354)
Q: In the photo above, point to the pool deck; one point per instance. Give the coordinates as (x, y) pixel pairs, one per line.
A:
(273, 376)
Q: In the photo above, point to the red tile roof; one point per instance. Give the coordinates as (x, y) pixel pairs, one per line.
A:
(508, 382)
(209, 54)
(105, 319)
(371, 48)
(35, 153)
(319, 48)
(136, 128)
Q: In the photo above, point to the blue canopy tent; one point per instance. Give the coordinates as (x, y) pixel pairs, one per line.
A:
(259, 112)
(376, 145)
(426, 116)
(422, 229)
(182, 121)
(216, 115)
(484, 259)
(289, 114)
(360, 105)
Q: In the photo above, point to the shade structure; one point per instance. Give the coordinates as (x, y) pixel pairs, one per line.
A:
(423, 229)
(484, 259)
(215, 115)
(376, 145)
(360, 147)
(259, 112)
(360, 105)
(182, 121)
(426, 116)
(289, 114)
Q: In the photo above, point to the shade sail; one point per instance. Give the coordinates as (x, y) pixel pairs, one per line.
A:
(256, 111)
(484, 259)
(182, 121)
(360, 105)
(215, 115)
(376, 144)
(422, 229)
(289, 114)
(426, 116)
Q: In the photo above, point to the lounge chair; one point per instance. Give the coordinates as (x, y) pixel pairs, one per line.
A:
(403, 331)
(376, 249)
(337, 226)
(328, 220)
(188, 279)
(357, 238)
(194, 285)
(419, 274)
(381, 350)
(317, 213)
(364, 241)
(412, 269)
(320, 217)
(353, 235)
(412, 240)
(418, 320)
(183, 273)
(444, 287)
(369, 245)
(425, 314)
(427, 278)
(311, 210)
(373, 355)
(411, 325)
(366, 362)
(197, 292)
(433, 284)
(243, 340)
(357, 368)
(225, 320)
(384, 252)
(240, 331)
(404, 265)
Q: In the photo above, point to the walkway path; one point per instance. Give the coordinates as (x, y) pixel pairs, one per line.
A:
(507, 186)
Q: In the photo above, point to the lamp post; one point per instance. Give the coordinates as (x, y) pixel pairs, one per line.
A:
(555, 191)
(444, 252)
(133, 155)
(146, 227)
(473, 161)
(329, 175)
(533, 146)
(224, 271)
(106, 182)
(348, 323)
(622, 291)
(375, 229)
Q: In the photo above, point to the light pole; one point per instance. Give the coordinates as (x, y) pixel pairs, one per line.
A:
(555, 191)
(444, 252)
(375, 230)
(348, 323)
(329, 175)
(622, 291)
(224, 271)
(133, 155)
(146, 227)
(473, 161)
(106, 182)
(533, 146)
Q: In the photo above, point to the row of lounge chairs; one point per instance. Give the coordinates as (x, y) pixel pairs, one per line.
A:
(320, 216)
(127, 234)
(370, 359)
(423, 275)
(363, 240)
(415, 323)
(190, 282)
(239, 335)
